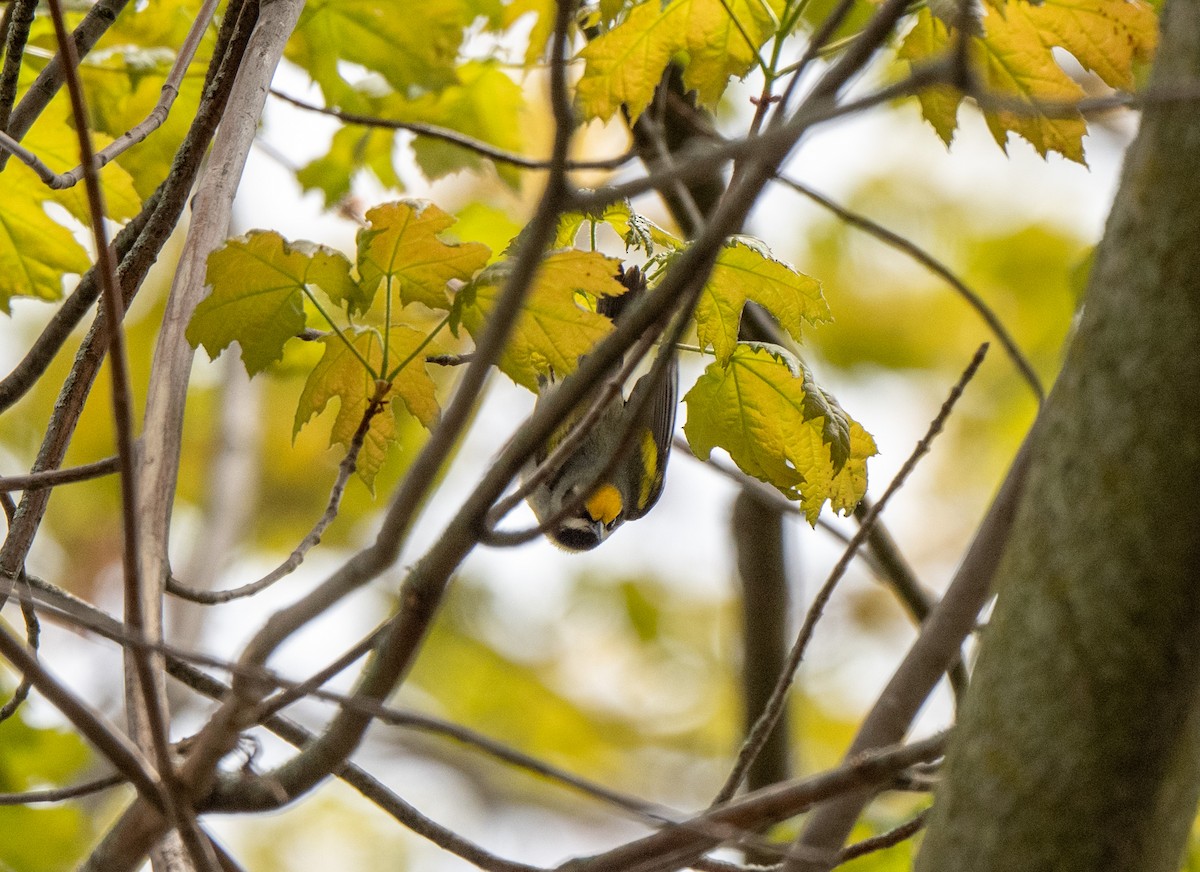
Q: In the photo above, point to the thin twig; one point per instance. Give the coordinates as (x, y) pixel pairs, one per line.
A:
(345, 470)
(60, 794)
(762, 729)
(935, 266)
(313, 684)
(470, 143)
(33, 632)
(890, 839)
(885, 554)
(55, 477)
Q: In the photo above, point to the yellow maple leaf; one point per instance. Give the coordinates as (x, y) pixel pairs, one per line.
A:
(930, 39)
(712, 40)
(340, 374)
(1105, 36)
(746, 271)
(1014, 61)
(554, 329)
(402, 244)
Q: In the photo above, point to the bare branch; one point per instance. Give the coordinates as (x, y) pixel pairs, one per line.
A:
(890, 839)
(470, 143)
(974, 300)
(60, 794)
(55, 477)
(345, 470)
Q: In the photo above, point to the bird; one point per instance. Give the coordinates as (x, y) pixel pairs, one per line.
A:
(633, 484)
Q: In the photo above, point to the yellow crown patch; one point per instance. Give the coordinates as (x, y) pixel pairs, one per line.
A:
(605, 504)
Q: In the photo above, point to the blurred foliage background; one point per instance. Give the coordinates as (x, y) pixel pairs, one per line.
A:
(618, 666)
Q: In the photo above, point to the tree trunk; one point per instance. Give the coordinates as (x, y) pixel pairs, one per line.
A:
(1079, 743)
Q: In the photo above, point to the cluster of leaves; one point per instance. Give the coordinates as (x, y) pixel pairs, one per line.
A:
(38, 244)
(758, 402)
(419, 68)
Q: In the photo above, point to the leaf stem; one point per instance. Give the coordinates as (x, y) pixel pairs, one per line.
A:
(340, 334)
(416, 351)
(758, 58)
(387, 320)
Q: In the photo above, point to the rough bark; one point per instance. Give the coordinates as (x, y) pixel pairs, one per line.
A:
(1079, 743)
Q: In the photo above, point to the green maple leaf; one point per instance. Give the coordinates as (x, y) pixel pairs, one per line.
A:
(35, 251)
(401, 244)
(411, 47)
(764, 409)
(637, 231)
(554, 329)
(352, 148)
(713, 40)
(258, 285)
(341, 374)
(744, 271)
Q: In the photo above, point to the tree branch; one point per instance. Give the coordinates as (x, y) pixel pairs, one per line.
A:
(935, 266)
